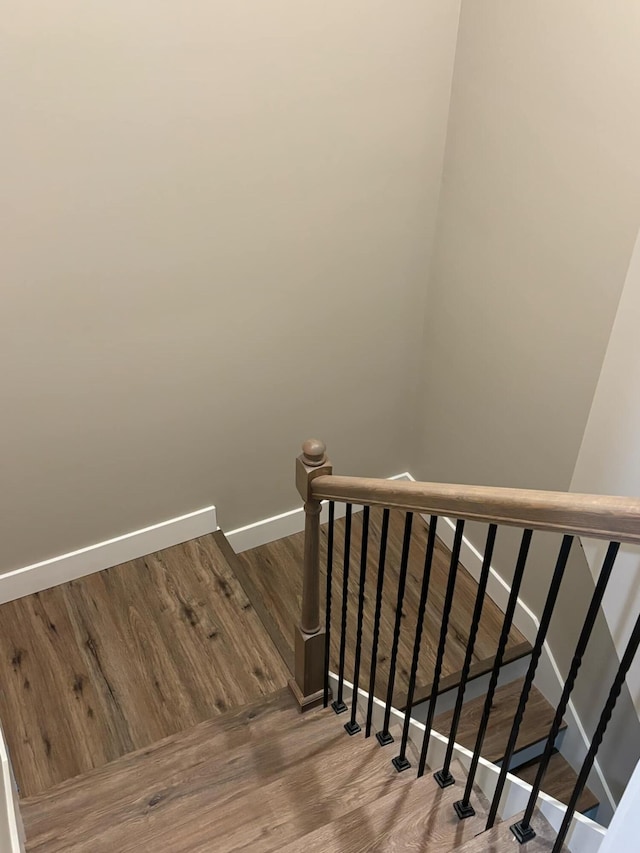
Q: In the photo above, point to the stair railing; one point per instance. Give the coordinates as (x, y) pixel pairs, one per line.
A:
(614, 519)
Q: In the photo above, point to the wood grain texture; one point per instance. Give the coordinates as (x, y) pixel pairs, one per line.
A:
(594, 516)
(117, 660)
(559, 781)
(537, 720)
(500, 839)
(419, 818)
(275, 573)
(255, 780)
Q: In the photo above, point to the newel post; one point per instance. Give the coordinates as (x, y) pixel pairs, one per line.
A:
(307, 686)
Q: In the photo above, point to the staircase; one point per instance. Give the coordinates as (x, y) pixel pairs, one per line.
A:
(269, 576)
(146, 707)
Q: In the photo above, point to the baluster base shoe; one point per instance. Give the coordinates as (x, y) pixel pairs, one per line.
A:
(522, 833)
(339, 707)
(352, 728)
(384, 738)
(464, 810)
(444, 779)
(401, 762)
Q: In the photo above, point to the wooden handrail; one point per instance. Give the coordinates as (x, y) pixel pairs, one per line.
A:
(593, 516)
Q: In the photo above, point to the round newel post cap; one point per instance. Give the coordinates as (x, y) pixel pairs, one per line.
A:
(314, 452)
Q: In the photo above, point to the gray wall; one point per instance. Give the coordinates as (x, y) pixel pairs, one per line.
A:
(216, 231)
(539, 212)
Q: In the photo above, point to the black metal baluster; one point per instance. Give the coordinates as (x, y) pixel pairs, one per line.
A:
(536, 652)
(444, 777)
(523, 830)
(463, 807)
(352, 726)
(338, 704)
(376, 620)
(401, 762)
(327, 619)
(444, 627)
(614, 693)
(384, 737)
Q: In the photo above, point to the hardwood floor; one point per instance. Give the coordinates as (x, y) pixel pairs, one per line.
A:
(145, 707)
(534, 728)
(96, 668)
(272, 575)
(419, 818)
(261, 779)
(500, 839)
(559, 782)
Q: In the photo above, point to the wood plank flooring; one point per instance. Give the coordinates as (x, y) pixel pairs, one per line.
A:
(501, 839)
(96, 668)
(536, 722)
(559, 782)
(261, 779)
(274, 577)
(419, 818)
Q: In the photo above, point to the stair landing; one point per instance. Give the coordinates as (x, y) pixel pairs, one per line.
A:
(96, 668)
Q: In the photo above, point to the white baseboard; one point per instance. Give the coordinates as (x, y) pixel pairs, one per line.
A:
(95, 558)
(286, 524)
(269, 529)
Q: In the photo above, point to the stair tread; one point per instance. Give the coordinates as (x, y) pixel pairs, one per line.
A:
(238, 782)
(116, 660)
(500, 838)
(418, 817)
(559, 781)
(537, 721)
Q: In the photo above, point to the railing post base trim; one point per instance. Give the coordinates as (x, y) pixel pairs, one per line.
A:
(306, 703)
(309, 660)
(522, 833)
(352, 728)
(339, 707)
